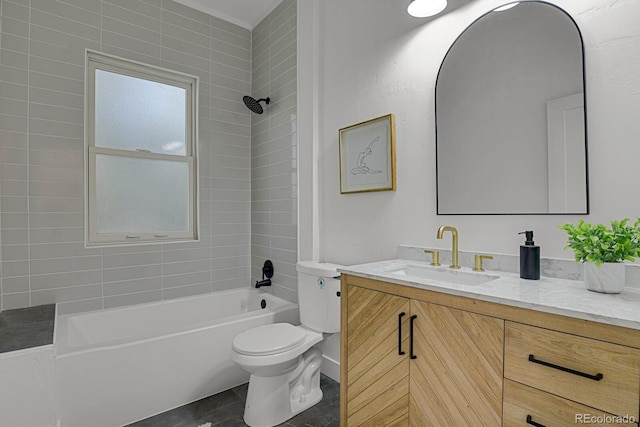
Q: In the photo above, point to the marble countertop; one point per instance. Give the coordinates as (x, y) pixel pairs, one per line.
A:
(549, 295)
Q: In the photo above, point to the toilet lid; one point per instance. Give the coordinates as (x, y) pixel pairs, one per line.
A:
(268, 339)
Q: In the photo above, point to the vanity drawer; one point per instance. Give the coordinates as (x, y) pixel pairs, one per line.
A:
(595, 373)
(525, 405)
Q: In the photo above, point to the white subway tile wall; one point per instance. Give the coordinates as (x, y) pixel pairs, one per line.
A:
(43, 42)
(274, 149)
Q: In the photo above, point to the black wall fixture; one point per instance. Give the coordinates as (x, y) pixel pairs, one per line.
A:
(254, 105)
(267, 271)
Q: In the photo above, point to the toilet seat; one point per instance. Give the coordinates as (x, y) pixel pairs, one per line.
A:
(268, 339)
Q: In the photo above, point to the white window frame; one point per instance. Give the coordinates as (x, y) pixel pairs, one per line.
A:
(100, 61)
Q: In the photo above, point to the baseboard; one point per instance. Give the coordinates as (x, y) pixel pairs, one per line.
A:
(330, 368)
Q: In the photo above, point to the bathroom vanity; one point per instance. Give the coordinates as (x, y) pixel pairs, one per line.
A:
(485, 349)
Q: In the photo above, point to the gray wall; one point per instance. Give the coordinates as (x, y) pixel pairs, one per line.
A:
(274, 149)
(41, 160)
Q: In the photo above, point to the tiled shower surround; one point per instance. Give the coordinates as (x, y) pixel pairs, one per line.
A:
(43, 45)
(274, 150)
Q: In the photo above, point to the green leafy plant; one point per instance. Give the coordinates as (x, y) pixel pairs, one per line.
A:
(599, 244)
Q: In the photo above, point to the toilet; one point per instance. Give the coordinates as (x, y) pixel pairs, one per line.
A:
(283, 359)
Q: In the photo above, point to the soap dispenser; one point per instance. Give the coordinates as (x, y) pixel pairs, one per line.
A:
(529, 258)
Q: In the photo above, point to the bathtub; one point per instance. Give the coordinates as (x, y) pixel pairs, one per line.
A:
(117, 366)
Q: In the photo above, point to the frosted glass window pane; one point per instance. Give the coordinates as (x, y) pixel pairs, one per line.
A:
(135, 195)
(133, 113)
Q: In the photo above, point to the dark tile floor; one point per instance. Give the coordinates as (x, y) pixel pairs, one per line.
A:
(225, 410)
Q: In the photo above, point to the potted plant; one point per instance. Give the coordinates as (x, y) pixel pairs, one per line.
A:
(602, 250)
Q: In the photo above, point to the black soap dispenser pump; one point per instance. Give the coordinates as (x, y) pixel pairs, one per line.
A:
(529, 258)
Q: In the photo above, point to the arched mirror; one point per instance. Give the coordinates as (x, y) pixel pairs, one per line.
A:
(510, 115)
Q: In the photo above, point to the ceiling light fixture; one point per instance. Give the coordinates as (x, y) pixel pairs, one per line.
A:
(425, 8)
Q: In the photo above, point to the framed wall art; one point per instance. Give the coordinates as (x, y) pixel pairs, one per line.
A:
(367, 156)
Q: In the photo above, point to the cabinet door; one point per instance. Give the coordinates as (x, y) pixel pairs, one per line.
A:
(456, 377)
(377, 375)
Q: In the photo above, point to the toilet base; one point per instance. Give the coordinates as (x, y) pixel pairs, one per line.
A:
(275, 399)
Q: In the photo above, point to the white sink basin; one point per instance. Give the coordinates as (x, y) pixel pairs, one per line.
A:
(441, 274)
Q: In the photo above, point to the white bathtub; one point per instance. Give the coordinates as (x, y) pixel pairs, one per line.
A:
(118, 366)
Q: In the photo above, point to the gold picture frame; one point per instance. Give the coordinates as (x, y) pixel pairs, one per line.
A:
(368, 156)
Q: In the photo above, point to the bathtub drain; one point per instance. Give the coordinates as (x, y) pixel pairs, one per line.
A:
(263, 303)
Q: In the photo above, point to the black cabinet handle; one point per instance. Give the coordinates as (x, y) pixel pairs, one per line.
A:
(411, 319)
(400, 316)
(533, 423)
(596, 377)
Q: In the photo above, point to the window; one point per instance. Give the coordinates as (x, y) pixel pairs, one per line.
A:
(141, 152)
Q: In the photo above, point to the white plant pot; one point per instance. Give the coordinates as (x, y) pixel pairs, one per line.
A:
(608, 278)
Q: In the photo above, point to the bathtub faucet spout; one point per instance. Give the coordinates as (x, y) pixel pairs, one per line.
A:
(265, 282)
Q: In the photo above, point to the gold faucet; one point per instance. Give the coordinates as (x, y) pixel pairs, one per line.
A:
(479, 259)
(454, 248)
(435, 257)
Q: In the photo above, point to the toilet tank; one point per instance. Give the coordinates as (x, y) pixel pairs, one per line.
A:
(318, 295)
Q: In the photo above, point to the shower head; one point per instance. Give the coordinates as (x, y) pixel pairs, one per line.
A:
(254, 105)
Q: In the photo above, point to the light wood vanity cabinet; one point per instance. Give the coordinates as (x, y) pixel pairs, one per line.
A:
(594, 373)
(409, 362)
(554, 366)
